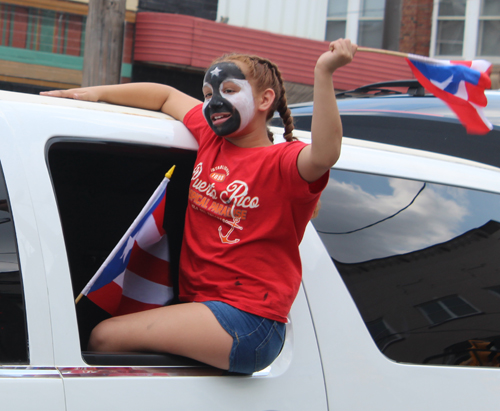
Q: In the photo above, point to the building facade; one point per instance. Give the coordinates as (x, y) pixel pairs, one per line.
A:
(42, 43)
(444, 29)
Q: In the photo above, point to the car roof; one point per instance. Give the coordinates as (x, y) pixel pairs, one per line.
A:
(70, 103)
(29, 120)
(403, 105)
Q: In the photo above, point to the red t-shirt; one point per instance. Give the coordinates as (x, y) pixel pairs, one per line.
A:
(247, 212)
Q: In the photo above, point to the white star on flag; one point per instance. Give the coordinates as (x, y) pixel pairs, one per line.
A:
(128, 248)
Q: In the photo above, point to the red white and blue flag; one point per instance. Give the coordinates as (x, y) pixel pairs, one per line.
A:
(460, 84)
(136, 276)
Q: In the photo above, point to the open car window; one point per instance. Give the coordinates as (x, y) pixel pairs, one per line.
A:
(100, 189)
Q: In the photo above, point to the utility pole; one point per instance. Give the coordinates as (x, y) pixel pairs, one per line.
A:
(102, 55)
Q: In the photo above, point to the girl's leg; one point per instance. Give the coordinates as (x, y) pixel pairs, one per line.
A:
(189, 329)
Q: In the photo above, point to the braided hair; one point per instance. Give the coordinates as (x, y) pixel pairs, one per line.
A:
(267, 75)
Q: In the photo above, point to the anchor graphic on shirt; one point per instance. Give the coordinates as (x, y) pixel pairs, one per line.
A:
(234, 224)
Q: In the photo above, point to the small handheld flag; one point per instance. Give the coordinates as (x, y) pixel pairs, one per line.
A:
(135, 276)
(460, 84)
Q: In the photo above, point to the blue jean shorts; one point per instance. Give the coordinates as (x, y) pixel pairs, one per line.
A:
(257, 341)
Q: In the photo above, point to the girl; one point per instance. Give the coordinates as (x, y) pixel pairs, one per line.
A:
(249, 204)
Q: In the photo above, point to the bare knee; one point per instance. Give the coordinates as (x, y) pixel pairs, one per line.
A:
(101, 338)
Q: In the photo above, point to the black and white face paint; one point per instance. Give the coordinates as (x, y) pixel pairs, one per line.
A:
(229, 104)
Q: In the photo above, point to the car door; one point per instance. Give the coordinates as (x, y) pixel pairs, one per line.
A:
(406, 301)
(293, 382)
(28, 377)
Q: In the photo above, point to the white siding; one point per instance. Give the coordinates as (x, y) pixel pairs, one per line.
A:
(299, 18)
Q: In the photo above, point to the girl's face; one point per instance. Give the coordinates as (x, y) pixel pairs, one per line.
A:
(229, 104)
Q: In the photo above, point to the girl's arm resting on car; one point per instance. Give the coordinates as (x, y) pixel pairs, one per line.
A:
(150, 96)
(326, 130)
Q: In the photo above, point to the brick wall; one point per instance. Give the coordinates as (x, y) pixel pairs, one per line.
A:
(416, 22)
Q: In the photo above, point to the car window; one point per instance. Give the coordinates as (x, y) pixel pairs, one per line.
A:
(421, 262)
(100, 188)
(13, 335)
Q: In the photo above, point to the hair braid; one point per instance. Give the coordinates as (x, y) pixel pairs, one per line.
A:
(281, 105)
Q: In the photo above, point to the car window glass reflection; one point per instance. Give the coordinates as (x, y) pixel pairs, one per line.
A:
(421, 262)
(366, 216)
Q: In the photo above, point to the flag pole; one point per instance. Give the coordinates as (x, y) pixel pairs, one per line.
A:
(170, 172)
(386, 52)
(416, 57)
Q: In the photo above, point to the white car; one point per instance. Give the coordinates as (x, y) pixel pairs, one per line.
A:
(398, 309)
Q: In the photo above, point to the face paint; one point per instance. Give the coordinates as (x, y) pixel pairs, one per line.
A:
(230, 104)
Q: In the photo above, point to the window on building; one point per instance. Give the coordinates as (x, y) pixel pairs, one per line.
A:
(360, 20)
(450, 27)
(446, 309)
(467, 29)
(42, 30)
(13, 335)
(489, 29)
(371, 23)
(336, 19)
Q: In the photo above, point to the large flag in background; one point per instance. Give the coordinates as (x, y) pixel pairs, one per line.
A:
(460, 84)
(136, 276)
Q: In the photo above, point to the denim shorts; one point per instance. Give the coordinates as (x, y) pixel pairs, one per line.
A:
(257, 341)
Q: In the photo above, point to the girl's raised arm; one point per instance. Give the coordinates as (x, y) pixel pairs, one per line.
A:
(326, 129)
(151, 96)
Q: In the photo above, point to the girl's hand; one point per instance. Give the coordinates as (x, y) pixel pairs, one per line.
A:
(341, 53)
(86, 93)
(326, 128)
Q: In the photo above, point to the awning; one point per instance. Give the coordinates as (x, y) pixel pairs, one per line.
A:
(192, 42)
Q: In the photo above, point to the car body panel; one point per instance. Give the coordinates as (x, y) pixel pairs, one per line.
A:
(354, 367)
(39, 384)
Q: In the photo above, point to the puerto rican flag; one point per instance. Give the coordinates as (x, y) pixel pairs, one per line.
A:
(136, 276)
(460, 84)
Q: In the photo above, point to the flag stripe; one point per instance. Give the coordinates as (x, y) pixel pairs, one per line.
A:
(152, 241)
(107, 297)
(143, 290)
(158, 213)
(149, 233)
(149, 266)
